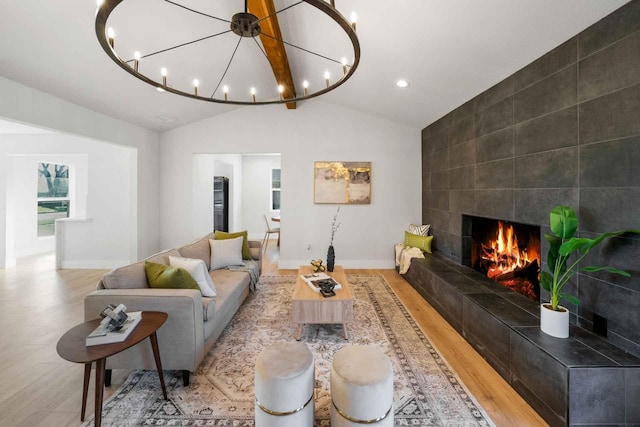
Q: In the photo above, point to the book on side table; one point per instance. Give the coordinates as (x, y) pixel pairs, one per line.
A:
(102, 336)
(314, 279)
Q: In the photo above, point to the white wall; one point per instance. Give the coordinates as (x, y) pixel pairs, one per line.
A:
(23, 183)
(256, 200)
(314, 131)
(30, 106)
(108, 239)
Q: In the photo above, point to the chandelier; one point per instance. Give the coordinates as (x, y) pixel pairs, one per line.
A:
(229, 51)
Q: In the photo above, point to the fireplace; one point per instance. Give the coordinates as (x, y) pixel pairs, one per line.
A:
(507, 252)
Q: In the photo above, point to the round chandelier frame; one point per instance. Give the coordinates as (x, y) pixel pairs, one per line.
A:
(243, 24)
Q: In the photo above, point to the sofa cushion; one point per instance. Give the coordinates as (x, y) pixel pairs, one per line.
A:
(165, 277)
(421, 242)
(226, 252)
(199, 249)
(231, 284)
(133, 276)
(130, 276)
(420, 230)
(163, 257)
(198, 270)
(246, 252)
(208, 308)
(255, 253)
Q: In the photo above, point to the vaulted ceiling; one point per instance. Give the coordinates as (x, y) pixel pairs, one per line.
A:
(449, 51)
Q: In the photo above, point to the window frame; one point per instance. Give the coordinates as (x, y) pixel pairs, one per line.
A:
(67, 198)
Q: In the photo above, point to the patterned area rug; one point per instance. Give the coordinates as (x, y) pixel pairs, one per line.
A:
(426, 392)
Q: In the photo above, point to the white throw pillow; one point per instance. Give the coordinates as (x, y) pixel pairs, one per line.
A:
(420, 230)
(226, 252)
(198, 270)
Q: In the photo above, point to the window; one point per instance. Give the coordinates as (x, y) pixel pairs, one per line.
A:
(53, 196)
(275, 189)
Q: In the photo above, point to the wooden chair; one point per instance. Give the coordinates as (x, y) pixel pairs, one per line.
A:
(274, 230)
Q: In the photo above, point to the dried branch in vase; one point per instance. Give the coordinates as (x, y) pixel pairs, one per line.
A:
(334, 226)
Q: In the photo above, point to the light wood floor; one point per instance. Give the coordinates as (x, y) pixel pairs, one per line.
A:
(40, 389)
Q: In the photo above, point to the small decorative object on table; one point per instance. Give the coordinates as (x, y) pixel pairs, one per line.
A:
(316, 279)
(326, 287)
(317, 265)
(116, 325)
(331, 254)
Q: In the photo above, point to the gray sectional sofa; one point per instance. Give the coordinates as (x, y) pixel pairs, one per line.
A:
(195, 322)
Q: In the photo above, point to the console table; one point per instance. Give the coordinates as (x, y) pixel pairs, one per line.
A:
(582, 380)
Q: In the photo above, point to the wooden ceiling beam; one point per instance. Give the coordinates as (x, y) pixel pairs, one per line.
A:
(274, 49)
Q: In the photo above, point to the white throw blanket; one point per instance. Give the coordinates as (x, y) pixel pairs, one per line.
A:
(404, 255)
(250, 266)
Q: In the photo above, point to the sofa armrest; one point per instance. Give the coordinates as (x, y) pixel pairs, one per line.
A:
(180, 339)
(256, 254)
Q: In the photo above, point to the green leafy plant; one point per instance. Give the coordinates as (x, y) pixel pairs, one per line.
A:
(562, 244)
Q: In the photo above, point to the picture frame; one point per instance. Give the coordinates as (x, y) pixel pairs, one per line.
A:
(339, 182)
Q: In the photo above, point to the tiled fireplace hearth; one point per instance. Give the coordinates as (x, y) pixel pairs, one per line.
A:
(582, 380)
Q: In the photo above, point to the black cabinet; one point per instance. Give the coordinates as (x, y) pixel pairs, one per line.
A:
(221, 203)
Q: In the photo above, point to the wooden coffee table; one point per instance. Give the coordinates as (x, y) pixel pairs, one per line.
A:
(311, 307)
(72, 347)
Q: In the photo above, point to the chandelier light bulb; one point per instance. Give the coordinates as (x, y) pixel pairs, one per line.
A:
(163, 71)
(225, 90)
(354, 19)
(111, 35)
(344, 65)
(253, 93)
(136, 60)
(281, 91)
(196, 83)
(326, 77)
(305, 85)
(99, 2)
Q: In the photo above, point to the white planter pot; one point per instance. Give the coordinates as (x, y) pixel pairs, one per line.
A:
(554, 323)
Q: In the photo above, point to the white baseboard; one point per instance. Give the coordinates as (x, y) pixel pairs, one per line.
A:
(9, 262)
(94, 264)
(358, 263)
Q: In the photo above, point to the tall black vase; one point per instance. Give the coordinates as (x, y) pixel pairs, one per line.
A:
(331, 258)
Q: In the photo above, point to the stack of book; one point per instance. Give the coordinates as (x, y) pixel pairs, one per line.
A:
(101, 335)
(314, 279)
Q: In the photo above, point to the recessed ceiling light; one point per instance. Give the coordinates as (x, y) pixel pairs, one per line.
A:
(402, 83)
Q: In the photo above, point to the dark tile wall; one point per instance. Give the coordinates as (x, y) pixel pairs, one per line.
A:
(565, 129)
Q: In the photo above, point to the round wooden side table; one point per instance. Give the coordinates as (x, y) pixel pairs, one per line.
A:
(72, 347)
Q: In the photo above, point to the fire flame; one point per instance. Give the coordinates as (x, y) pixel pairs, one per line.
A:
(504, 253)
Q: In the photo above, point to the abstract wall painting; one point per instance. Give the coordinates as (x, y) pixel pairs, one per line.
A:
(342, 182)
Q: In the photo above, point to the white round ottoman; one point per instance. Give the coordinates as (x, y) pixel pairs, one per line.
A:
(361, 387)
(284, 381)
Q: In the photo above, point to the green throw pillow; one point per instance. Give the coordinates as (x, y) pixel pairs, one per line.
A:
(246, 252)
(166, 277)
(415, 241)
